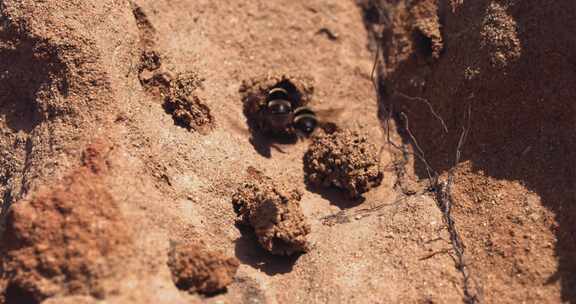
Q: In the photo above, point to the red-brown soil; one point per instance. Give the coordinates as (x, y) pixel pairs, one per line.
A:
(274, 213)
(197, 269)
(124, 129)
(343, 159)
(64, 239)
(505, 75)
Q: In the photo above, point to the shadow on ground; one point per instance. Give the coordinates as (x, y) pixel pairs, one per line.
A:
(522, 116)
(249, 251)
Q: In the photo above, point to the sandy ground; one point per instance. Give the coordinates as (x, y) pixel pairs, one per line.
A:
(84, 129)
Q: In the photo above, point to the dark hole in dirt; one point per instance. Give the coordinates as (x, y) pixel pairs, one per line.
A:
(15, 294)
(371, 13)
(267, 131)
(255, 104)
(294, 94)
(422, 44)
(28, 74)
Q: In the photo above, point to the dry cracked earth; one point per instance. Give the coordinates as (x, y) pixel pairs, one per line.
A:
(133, 168)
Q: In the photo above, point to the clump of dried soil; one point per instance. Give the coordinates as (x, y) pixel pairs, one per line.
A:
(275, 214)
(426, 37)
(408, 30)
(185, 106)
(64, 239)
(345, 159)
(499, 36)
(179, 92)
(150, 73)
(196, 269)
(254, 94)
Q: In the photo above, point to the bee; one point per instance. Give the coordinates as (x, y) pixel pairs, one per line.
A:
(281, 117)
(305, 120)
(278, 113)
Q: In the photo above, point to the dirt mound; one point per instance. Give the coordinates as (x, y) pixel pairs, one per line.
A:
(503, 79)
(65, 238)
(516, 238)
(185, 106)
(196, 269)
(156, 81)
(499, 36)
(179, 93)
(275, 214)
(344, 159)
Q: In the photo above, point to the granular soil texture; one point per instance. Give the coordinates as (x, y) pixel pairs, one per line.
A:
(63, 239)
(75, 71)
(505, 77)
(344, 159)
(186, 107)
(274, 212)
(150, 74)
(195, 268)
